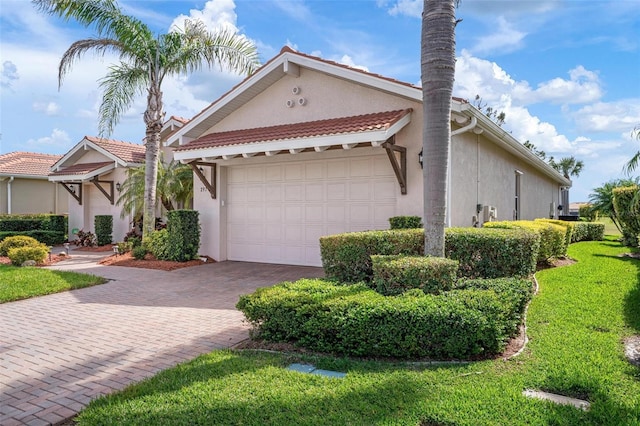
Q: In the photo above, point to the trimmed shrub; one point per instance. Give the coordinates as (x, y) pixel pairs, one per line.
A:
(355, 320)
(405, 222)
(19, 255)
(18, 224)
(104, 229)
(184, 234)
(17, 241)
(347, 257)
(587, 231)
(568, 226)
(394, 275)
(552, 236)
(628, 213)
(492, 253)
(158, 244)
(139, 252)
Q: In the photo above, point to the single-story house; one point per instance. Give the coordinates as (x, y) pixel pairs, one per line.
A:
(92, 173)
(25, 187)
(307, 147)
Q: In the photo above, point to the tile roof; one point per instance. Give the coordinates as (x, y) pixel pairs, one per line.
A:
(81, 169)
(309, 129)
(180, 119)
(126, 151)
(27, 163)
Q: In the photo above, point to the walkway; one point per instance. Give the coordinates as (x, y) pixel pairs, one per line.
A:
(59, 352)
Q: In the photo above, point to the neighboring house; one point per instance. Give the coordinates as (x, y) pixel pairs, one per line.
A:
(24, 186)
(91, 173)
(306, 147)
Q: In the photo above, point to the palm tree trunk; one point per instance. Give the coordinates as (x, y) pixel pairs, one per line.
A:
(438, 68)
(153, 118)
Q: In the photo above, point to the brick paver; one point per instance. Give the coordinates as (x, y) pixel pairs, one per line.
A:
(59, 352)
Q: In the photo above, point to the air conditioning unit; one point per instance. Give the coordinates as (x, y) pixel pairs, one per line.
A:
(489, 213)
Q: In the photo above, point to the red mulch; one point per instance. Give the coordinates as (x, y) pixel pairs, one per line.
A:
(151, 262)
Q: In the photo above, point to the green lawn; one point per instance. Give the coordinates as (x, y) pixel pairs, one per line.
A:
(24, 282)
(609, 227)
(575, 324)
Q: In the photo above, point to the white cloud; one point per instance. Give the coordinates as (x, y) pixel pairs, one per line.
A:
(49, 108)
(505, 39)
(57, 138)
(216, 15)
(583, 86)
(406, 7)
(295, 9)
(348, 60)
(9, 74)
(620, 116)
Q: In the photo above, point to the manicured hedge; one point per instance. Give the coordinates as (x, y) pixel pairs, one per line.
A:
(405, 222)
(552, 236)
(355, 320)
(104, 229)
(32, 222)
(347, 257)
(492, 253)
(49, 238)
(482, 252)
(568, 228)
(184, 235)
(158, 244)
(587, 231)
(396, 274)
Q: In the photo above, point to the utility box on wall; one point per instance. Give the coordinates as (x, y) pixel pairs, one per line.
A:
(490, 214)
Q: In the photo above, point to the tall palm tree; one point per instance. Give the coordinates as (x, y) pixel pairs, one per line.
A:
(145, 60)
(438, 69)
(568, 166)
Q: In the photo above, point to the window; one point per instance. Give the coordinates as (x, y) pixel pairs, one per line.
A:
(516, 209)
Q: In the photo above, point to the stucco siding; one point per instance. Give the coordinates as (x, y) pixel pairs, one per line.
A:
(32, 196)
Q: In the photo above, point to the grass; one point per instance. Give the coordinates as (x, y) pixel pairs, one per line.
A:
(609, 227)
(18, 283)
(576, 326)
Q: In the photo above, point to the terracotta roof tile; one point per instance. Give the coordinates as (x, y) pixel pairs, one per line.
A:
(126, 151)
(80, 169)
(180, 119)
(27, 163)
(333, 126)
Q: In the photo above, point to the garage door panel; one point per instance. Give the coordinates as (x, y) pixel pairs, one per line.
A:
(336, 191)
(360, 191)
(294, 192)
(281, 218)
(255, 194)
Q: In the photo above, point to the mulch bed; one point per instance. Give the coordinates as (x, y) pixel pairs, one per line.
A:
(151, 262)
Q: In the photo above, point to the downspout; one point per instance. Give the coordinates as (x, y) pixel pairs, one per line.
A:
(470, 126)
(9, 194)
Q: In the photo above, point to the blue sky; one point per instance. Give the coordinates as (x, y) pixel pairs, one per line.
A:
(566, 73)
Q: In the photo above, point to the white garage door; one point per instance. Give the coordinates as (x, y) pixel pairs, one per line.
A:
(277, 213)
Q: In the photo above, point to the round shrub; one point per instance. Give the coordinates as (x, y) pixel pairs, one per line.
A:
(139, 252)
(17, 241)
(19, 255)
(158, 244)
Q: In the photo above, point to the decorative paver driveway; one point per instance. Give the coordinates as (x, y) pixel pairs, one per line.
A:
(59, 352)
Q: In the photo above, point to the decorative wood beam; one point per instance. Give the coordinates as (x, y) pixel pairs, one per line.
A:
(109, 195)
(295, 150)
(321, 148)
(348, 145)
(399, 167)
(72, 192)
(210, 183)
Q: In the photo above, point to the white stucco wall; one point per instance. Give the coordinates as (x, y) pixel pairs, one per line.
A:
(482, 172)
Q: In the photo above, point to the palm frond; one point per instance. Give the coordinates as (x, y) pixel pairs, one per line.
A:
(99, 46)
(632, 164)
(120, 87)
(187, 50)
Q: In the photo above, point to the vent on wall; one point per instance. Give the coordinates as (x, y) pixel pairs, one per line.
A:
(290, 103)
(302, 101)
(296, 90)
